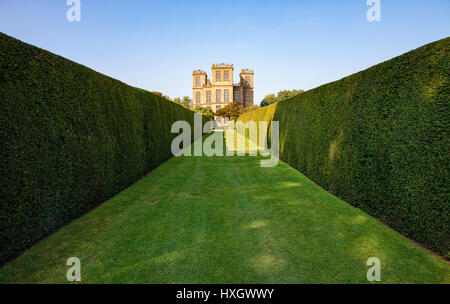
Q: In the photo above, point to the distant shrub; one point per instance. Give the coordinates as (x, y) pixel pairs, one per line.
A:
(379, 139)
(70, 139)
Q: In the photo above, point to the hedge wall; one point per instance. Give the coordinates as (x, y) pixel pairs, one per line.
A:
(379, 139)
(70, 139)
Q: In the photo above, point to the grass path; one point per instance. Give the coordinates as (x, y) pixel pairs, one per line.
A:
(225, 220)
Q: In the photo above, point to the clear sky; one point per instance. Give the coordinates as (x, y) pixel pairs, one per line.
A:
(155, 45)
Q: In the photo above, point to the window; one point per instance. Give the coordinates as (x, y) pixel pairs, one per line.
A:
(218, 96)
(197, 97)
(248, 95)
(218, 75)
(208, 96)
(226, 75)
(226, 95)
(247, 80)
(197, 81)
(236, 96)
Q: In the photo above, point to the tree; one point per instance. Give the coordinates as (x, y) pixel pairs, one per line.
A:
(230, 111)
(177, 100)
(268, 99)
(186, 102)
(285, 94)
(205, 111)
(288, 94)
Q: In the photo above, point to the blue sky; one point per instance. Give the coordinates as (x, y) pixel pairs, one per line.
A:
(155, 45)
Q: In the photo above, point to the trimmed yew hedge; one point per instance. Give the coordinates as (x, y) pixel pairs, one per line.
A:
(70, 139)
(379, 139)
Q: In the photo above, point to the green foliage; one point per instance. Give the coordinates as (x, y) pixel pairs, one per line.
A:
(379, 139)
(251, 108)
(70, 139)
(186, 102)
(207, 112)
(282, 95)
(268, 99)
(167, 98)
(230, 111)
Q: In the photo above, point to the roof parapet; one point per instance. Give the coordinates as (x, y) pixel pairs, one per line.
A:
(198, 72)
(221, 65)
(246, 71)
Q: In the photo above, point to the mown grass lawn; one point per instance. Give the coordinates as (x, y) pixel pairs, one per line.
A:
(226, 220)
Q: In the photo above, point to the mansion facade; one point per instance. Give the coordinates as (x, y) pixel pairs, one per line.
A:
(221, 91)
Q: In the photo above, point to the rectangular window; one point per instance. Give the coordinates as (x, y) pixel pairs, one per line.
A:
(218, 96)
(247, 80)
(226, 75)
(197, 81)
(236, 96)
(226, 95)
(218, 75)
(248, 95)
(208, 96)
(198, 97)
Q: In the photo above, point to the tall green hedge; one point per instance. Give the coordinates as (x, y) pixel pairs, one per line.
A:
(379, 139)
(70, 138)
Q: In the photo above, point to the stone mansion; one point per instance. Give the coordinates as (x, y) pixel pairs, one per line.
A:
(222, 91)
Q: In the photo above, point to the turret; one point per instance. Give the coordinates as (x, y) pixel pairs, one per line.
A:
(222, 74)
(246, 78)
(199, 78)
